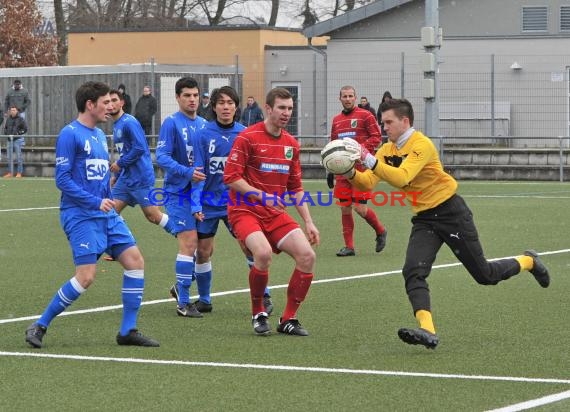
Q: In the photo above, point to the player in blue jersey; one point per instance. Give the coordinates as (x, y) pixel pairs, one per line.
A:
(133, 179)
(216, 141)
(88, 217)
(178, 154)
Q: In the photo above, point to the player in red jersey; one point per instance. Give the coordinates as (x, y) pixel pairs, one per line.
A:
(360, 125)
(262, 167)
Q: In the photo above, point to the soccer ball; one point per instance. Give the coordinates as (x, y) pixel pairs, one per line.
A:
(335, 158)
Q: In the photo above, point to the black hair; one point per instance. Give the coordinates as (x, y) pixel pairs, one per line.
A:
(90, 91)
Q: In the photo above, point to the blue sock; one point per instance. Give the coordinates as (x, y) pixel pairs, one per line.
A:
(184, 273)
(167, 224)
(64, 297)
(249, 260)
(203, 272)
(267, 292)
(132, 293)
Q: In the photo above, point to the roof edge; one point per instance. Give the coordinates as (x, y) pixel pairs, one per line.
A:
(351, 17)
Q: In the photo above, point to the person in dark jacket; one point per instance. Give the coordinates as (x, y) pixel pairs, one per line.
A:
(252, 113)
(365, 104)
(128, 106)
(387, 95)
(205, 108)
(146, 109)
(16, 127)
(19, 97)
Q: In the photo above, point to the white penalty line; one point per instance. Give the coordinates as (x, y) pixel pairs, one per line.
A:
(234, 292)
(523, 406)
(287, 368)
(29, 208)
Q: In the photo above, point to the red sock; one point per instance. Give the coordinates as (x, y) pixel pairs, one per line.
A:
(373, 221)
(257, 283)
(298, 287)
(348, 230)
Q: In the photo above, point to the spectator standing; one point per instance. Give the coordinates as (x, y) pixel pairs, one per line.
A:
(19, 97)
(365, 104)
(146, 109)
(16, 127)
(128, 106)
(205, 109)
(387, 95)
(252, 113)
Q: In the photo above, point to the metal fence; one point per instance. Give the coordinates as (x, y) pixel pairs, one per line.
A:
(502, 152)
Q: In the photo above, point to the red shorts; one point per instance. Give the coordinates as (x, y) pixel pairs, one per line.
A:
(275, 230)
(347, 193)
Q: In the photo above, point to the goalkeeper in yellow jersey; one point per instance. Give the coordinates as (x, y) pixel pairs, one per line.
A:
(410, 162)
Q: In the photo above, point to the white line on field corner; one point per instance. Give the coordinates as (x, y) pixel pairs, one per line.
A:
(557, 397)
(236, 291)
(287, 368)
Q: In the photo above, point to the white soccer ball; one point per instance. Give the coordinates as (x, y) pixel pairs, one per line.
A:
(335, 158)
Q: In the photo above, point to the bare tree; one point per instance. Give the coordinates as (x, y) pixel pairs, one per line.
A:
(274, 13)
(61, 29)
(21, 43)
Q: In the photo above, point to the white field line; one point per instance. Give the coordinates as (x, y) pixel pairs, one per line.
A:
(287, 368)
(236, 291)
(27, 209)
(523, 406)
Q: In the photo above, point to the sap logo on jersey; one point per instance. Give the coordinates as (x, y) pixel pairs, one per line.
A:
(218, 164)
(96, 168)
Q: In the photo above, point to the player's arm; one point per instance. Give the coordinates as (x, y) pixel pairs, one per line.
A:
(419, 156)
(303, 209)
(165, 151)
(64, 164)
(199, 165)
(137, 140)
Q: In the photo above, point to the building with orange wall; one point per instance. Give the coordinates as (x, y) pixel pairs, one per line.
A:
(242, 47)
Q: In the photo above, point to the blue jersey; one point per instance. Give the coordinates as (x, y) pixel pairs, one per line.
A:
(178, 153)
(82, 169)
(217, 142)
(134, 154)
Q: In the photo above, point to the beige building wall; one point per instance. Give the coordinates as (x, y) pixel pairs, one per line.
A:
(216, 47)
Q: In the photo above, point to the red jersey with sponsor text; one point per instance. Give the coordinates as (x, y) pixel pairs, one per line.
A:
(268, 163)
(360, 125)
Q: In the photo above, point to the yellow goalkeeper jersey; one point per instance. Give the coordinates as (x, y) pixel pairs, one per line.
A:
(415, 169)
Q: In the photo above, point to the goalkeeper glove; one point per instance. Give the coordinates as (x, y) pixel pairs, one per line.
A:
(330, 180)
(362, 153)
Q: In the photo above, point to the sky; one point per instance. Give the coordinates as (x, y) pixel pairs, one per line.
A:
(287, 17)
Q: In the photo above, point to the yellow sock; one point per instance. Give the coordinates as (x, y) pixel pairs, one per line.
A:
(425, 320)
(526, 262)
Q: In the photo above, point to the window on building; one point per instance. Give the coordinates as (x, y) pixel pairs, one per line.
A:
(534, 18)
(564, 18)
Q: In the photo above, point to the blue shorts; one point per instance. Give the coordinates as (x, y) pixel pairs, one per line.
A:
(178, 209)
(209, 227)
(133, 196)
(90, 237)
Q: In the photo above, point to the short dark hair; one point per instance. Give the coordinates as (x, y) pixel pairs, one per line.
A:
(90, 91)
(118, 93)
(401, 107)
(228, 91)
(186, 82)
(279, 92)
(17, 81)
